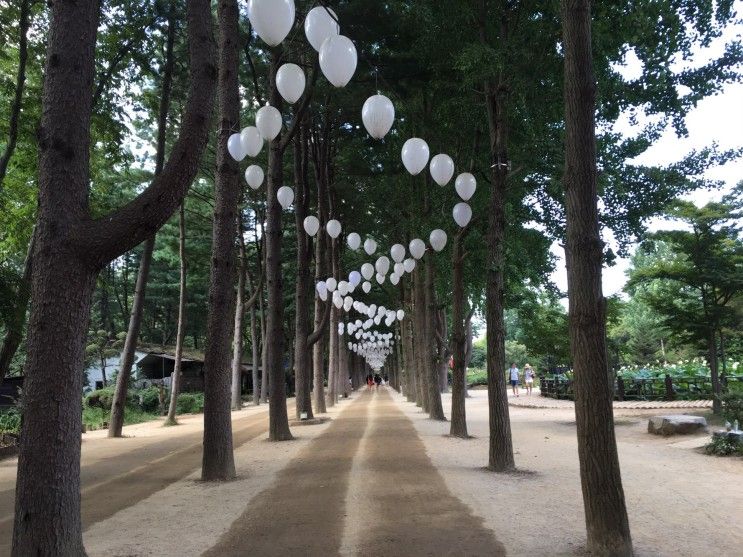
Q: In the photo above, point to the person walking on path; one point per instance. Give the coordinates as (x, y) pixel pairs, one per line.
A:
(514, 375)
(529, 378)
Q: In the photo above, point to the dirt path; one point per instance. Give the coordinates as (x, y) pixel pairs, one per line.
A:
(118, 473)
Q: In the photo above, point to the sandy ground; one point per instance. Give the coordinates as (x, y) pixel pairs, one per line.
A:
(680, 502)
(380, 478)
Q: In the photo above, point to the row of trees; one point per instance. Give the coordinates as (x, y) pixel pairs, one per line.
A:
(510, 90)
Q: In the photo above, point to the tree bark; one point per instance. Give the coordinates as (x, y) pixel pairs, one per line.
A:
(714, 373)
(435, 408)
(24, 23)
(256, 357)
(278, 418)
(443, 357)
(70, 250)
(238, 332)
(218, 459)
(118, 405)
(459, 338)
(419, 336)
(410, 356)
(264, 352)
(603, 497)
(175, 382)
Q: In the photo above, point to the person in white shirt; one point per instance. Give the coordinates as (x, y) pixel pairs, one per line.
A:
(514, 374)
(529, 378)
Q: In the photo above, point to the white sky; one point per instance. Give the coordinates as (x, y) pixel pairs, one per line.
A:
(715, 119)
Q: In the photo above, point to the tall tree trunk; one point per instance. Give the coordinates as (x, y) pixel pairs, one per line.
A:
(435, 408)
(408, 325)
(714, 373)
(422, 351)
(238, 332)
(318, 350)
(333, 357)
(218, 461)
(459, 338)
(24, 23)
(254, 346)
(278, 418)
(603, 497)
(443, 358)
(118, 405)
(71, 248)
(175, 382)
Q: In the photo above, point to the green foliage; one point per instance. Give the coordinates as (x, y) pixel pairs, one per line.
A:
(732, 407)
(722, 446)
(190, 403)
(477, 376)
(10, 421)
(479, 354)
(103, 399)
(148, 399)
(95, 418)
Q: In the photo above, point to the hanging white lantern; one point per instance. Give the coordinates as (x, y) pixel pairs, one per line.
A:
(290, 82)
(465, 185)
(370, 246)
(366, 287)
(254, 176)
(380, 278)
(437, 239)
(322, 290)
(399, 269)
(417, 248)
(353, 241)
(251, 140)
(268, 122)
(415, 155)
(462, 214)
(442, 169)
(400, 315)
(394, 278)
(311, 225)
(397, 252)
(382, 265)
(271, 19)
(354, 277)
(409, 265)
(334, 228)
(331, 283)
(367, 270)
(319, 25)
(338, 59)
(285, 195)
(378, 115)
(235, 147)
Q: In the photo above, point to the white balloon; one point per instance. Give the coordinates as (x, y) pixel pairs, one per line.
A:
(347, 303)
(285, 195)
(322, 289)
(331, 283)
(353, 241)
(380, 278)
(235, 147)
(354, 277)
(465, 185)
(397, 252)
(311, 225)
(378, 115)
(383, 265)
(254, 176)
(366, 287)
(319, 25)
(323, 295)
(394, 278)
(378, 318)
(415, 155)
(251, 140)
(290, 82)
(399, 269)
(343, 287)
(437, 239)
(442, 169)
(338, 59)
(400, 315)
(409, 265)
(367, 269)
(370, 246)
(338, 302)
(334, 228)
(462, 214)
(268, 122)
(417, 248)
(271, 19)
(351, 287)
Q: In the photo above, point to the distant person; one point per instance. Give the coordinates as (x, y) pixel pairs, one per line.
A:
(514, 375)
(529, 378)
(378, 380)
(370, 381)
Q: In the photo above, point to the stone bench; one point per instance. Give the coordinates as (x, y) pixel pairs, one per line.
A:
(676, 424)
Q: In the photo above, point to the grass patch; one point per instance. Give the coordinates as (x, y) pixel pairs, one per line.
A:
(95, 417)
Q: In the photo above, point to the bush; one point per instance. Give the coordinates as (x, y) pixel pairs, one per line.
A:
(476, 377)
(732, 407)
(190, 403)
(722, 446)
(102, 398)
(10, 421)
(148, 399)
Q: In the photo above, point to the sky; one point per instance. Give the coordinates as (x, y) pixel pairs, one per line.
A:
(715, 119)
